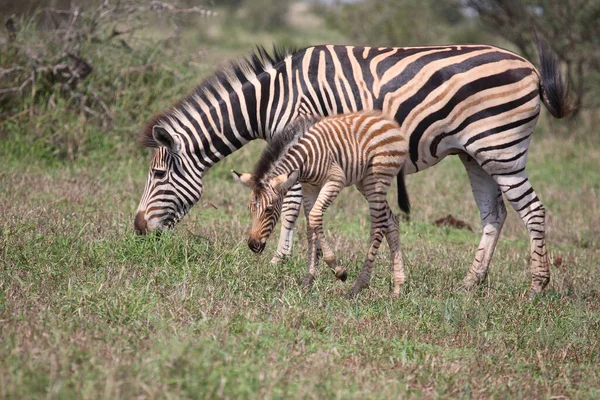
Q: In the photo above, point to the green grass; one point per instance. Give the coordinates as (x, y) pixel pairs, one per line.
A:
(89, 310)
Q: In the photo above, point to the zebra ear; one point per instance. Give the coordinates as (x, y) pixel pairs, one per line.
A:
(284, 182)
(244, 179)
(164, 138)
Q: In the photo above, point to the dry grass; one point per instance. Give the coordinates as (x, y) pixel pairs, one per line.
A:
(89, 310)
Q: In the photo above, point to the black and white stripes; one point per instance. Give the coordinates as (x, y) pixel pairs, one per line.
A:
(363, 149)
(478, 101)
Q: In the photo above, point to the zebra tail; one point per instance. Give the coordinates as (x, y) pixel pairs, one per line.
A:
(553, 91)
(403, 201)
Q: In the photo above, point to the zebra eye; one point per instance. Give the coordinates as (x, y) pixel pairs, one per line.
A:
(269, 208)
(160, 173)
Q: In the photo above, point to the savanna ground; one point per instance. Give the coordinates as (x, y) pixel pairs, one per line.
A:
(89, 310)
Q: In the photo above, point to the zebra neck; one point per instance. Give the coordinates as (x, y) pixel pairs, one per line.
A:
(224, 122)
(270, 101)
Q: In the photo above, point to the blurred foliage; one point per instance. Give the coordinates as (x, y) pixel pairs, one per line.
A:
(90, 72)
(268, 15)
(77, 75)
(402, 22)
(571, 28)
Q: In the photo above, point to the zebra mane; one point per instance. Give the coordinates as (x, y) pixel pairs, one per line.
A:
(234, 74)
(275, 150)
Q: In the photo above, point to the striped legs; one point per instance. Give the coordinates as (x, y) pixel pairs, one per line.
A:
(392, 235)
(493, 213)
(487, 188)
(383, 223)
(522, 197)
(326, 196)
(289, 214)
(310, 197)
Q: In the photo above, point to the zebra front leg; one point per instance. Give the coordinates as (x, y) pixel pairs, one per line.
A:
(312, 258)
(524, 200)
(327, 194)
(289, 214)
(310, 196)
(493, 214)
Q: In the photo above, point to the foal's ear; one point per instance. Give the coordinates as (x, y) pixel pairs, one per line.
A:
(244, 179)
(284, 182)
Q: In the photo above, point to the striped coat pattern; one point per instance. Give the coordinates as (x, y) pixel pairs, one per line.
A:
(478, 102)
(364, 149)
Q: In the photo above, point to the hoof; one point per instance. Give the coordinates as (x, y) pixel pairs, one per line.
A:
(469, 283)
(342, 276)
(308, 281)
(533, 294)
(538, 287)
(277, 259)
(352, 293)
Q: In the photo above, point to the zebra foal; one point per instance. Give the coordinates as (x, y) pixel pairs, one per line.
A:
(325, 155)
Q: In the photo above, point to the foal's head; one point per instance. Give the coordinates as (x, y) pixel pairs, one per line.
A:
(265, 204)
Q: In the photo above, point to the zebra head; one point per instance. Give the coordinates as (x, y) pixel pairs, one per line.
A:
(265, 204)
(174, 182)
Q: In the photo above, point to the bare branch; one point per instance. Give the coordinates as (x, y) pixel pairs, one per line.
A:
(107, 112)
(160, 6)
(57, 11)
(17, 89)
(7, 71)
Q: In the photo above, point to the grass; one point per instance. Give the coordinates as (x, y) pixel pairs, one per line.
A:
(89, 310)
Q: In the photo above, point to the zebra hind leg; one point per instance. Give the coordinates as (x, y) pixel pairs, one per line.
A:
(493, 214)
(375, 192)
(392, 235)
(289, 215)
(522, 197)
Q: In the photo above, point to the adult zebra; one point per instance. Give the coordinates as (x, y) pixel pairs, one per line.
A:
(477, 101)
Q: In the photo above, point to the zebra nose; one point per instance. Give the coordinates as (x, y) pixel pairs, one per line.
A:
(140, 224)
(256, 246)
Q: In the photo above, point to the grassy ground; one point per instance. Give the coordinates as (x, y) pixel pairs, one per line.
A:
(89, 310)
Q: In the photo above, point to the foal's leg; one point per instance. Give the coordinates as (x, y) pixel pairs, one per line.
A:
(327, 194)
(375, 190)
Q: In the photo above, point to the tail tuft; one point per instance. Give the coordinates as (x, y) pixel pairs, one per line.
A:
(403, 200)
(552, 89)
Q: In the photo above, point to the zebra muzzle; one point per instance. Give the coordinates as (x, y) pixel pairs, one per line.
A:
(256, 245)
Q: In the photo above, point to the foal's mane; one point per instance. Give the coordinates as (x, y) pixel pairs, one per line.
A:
(233, 74)
(281, 142)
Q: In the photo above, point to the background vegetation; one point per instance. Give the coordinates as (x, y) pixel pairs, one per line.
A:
(89, 310)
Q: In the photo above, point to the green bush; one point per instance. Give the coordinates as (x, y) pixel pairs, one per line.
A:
(105, 78)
